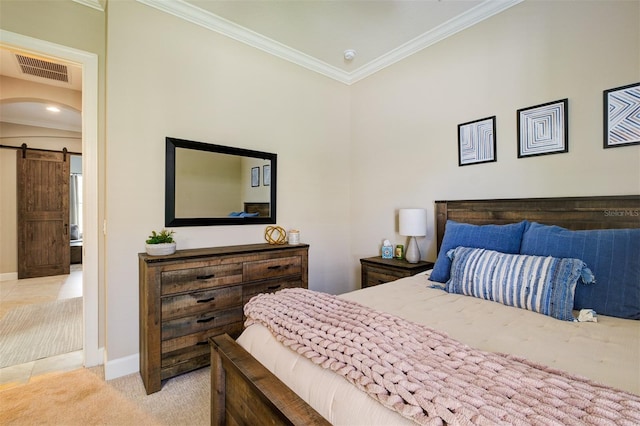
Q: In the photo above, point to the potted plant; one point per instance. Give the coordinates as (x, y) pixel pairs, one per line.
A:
(161, 243)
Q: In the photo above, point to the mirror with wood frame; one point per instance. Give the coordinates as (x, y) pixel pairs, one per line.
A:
(207, 184)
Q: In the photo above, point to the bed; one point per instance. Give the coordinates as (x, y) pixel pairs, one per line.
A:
(257, 380)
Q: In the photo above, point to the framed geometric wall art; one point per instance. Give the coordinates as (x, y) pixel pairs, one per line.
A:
(477, 141)
(266, 175)
(255, 177)
(622, 116)
(543, 129)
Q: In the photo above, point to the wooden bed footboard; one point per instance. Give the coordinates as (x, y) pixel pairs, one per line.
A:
(244, 392)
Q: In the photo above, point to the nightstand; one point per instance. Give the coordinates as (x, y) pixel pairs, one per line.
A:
(376, 270)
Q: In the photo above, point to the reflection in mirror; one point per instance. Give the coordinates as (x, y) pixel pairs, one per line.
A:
(210, 184)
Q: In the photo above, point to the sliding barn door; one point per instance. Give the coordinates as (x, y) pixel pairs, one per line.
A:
(43, 213)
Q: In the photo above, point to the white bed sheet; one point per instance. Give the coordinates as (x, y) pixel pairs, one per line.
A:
(607, 351)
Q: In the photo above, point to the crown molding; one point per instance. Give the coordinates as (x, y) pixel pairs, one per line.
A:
(203, 18)
(461, 22)
(225, 27)
(94, 4)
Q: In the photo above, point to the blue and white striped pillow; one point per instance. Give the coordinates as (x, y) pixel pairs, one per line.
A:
(541, 284)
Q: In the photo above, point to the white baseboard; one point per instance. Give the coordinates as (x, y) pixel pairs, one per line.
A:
(122, 367)
(9, 276)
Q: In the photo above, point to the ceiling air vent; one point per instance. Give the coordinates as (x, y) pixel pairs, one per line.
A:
(43, 69)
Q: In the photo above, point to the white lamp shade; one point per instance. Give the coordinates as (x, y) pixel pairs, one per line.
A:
(413, 222)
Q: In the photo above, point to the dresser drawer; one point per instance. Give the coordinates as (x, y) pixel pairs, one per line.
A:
(190, 279)
(253, 289)
(200, 338)
(187, 353)
(184, 360)
(377, 276)
(200, 322)
(272, 268)
(200, 301)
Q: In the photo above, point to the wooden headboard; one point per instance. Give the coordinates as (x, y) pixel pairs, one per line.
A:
(263, 209)
(576, 213)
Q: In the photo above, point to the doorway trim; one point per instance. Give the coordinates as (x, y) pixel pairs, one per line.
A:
(92, 353)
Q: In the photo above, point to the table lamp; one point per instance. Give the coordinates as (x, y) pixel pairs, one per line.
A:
(413, 223)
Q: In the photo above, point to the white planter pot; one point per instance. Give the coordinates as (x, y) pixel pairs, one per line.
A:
(160, 249)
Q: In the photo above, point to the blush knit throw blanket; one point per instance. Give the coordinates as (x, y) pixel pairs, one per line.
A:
(428, 377)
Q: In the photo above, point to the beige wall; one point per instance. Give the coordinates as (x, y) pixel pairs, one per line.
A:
(207, 184)
(8, 216)
(214, 185)
(61, 21)
(404, 118)
(14, 89)
(184, 81)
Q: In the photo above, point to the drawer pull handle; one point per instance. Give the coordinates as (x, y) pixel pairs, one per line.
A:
(205, 277)
(202, 343)
(274, 267)
(206, 319)
(274, 287)
(205, 300)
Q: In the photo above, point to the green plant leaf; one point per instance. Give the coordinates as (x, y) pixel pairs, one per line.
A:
(164, 236)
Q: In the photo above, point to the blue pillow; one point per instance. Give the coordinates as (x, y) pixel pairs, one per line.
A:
(243, 214)
(613, 255)
(540, 284)
(503, 238)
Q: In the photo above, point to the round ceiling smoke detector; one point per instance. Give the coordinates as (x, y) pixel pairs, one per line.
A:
(349, 54)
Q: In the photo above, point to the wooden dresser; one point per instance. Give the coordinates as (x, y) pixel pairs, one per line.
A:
(194, 294)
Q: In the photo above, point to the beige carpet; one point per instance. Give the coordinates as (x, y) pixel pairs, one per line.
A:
(75, 398)
(31, 332)
(183, 400)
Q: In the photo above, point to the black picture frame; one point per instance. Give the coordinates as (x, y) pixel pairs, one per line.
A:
(621, 112)
(543, 129)
(477, 141)
(255, 177)
(266, 175)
